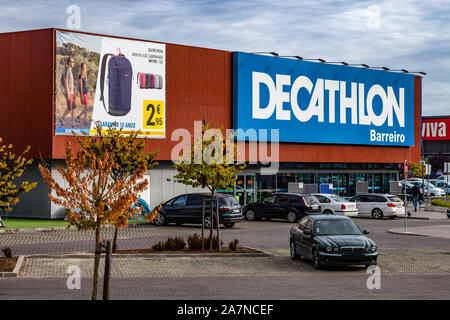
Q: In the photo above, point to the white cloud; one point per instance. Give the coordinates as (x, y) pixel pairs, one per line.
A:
(414, 35)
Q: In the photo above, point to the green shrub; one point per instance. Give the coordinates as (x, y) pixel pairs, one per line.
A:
(233, 245)
(7, 252)
(175, 244)
(194, 242)
(160, 246)
(172, 244)
(215, 243)
(440, 203)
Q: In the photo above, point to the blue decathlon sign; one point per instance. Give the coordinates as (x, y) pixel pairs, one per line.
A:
(321, 103)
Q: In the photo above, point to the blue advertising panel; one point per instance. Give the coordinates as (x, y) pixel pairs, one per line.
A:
(321, 103)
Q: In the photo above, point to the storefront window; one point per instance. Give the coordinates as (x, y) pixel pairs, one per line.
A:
(266, 181)
(283, 180)
(304, 177)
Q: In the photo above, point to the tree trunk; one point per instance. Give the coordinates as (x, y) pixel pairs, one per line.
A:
(203, 224)
(212, 224)
(114, 246)
(218, 224)
(97, 259)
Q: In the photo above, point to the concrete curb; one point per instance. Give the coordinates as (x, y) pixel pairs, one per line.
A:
(408, 233)
(25, 230)
(436, 209)
(84, 255)
(16, 270)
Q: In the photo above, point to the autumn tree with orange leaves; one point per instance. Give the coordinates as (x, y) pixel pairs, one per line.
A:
(127, 152)
(91, 197)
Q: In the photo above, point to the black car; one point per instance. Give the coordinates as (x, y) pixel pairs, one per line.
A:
(187, 208)
(332, 240)
(289, 206)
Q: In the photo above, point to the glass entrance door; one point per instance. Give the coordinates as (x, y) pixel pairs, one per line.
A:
(340, 184)
(375, 182)
(245, 189)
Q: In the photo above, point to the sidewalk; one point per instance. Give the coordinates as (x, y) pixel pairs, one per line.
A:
(425, 215)
(440, 231)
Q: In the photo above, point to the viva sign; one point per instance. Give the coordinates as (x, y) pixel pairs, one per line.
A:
(321, 103)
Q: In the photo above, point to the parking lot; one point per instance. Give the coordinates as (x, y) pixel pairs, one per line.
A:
(272, 236)
(414, 265)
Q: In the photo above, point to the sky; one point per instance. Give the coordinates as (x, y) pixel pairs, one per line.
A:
(412, 35)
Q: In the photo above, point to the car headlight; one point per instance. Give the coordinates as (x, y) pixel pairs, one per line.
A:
(336, 249)
(374, 248)
(329, 249)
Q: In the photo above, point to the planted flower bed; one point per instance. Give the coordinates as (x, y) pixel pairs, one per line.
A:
(193, 245)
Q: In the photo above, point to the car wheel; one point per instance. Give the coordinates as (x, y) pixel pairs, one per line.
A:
(291, 217)
(328, 212)
(315, 259)
(250, 215)
(377, 213)
(294, 255)
(160, 219)
(207, 223)
(229, 225)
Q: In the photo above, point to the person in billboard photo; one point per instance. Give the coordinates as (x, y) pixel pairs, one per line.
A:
(84, 96)
(76, 68)
(69, 89)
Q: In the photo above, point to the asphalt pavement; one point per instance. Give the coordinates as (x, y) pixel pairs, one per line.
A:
(411, 267)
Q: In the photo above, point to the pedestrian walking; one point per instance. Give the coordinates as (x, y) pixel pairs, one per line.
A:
(415, 195)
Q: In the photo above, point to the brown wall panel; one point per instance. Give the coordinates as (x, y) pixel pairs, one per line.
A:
(6, 130)
(5, 65)
(21, 56)
(42, 64)
(26, 93)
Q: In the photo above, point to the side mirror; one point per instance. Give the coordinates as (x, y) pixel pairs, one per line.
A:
(366, 231)
(307, 232)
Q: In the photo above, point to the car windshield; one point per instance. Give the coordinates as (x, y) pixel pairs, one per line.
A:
(337, 198)
(336, 227)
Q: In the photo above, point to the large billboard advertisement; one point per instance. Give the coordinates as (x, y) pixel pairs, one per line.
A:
(321, 103)
(118, 82)
(436, 129)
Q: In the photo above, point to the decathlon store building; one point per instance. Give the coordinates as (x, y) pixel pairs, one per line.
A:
(335, 124)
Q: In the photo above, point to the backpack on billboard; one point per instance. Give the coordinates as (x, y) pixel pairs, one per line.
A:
(156, 81)
(141, 80)
(119, 79)
(149, 81)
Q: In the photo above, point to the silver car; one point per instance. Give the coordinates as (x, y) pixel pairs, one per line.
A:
(442, 184)
(379, 205)
(429, 188)
(333, 204)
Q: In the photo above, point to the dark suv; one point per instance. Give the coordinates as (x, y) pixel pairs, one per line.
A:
(289, 206)
(187, 208)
